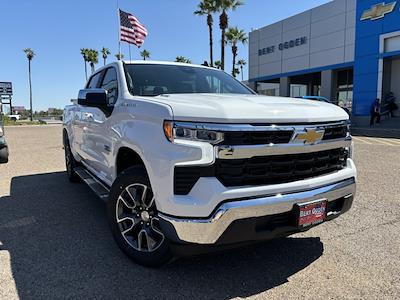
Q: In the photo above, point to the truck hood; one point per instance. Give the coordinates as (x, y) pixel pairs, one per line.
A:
(235, 108)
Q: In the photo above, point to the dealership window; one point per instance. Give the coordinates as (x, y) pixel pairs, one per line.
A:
(268, 89)
(298, 90)
(344, 88)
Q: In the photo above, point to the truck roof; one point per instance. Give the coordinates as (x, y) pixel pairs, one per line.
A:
(154, 62)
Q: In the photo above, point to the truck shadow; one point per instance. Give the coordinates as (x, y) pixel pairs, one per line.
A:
(57, 236)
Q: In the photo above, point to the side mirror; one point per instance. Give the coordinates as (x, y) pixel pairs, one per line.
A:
(95, 98)
(92, 97)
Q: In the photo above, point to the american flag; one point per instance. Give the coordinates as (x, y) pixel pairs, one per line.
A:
(131, 30)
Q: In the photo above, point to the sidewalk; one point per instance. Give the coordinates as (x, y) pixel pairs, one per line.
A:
(388, 128)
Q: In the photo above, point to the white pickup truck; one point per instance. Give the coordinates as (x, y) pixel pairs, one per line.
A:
(190, 160)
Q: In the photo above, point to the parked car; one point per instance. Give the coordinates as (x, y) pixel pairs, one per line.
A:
(14, 117)
(3, 143)
(191, 160)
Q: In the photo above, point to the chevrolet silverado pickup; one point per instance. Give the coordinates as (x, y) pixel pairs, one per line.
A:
(187, 158)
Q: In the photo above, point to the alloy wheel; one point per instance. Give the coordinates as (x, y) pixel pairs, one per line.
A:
(137, 219)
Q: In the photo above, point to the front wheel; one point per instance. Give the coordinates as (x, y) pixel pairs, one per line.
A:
(3, 155)
(133, 219)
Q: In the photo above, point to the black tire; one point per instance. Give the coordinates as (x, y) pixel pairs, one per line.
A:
(3, 155)
(133, 178)
(70, 162)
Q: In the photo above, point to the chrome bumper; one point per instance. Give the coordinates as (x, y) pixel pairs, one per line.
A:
(208, 231)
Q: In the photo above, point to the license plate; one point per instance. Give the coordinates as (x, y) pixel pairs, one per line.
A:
(311, 213)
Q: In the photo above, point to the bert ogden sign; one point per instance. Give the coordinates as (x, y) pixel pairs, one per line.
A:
(282, 46)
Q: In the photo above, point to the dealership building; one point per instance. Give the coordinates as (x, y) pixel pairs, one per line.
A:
(346, 50)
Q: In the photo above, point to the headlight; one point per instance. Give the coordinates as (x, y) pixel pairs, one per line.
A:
(1, 131)
(191, 131)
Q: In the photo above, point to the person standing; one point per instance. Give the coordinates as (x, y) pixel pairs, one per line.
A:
(375, 112)
(391, 100)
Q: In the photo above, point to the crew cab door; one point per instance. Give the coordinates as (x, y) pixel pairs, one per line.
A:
(80, 121)
(97, 134)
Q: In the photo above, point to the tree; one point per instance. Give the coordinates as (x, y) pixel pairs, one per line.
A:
(241, 63)
(208, 7)
(93, 58)
(84, 53)
(105, 52)
(218, 64)
(145, 54)
(223, 6)
(119, 56)
(29, 55)
(233, 37)
(183, 59)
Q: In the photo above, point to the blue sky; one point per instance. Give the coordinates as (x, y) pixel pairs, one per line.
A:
(57, 29)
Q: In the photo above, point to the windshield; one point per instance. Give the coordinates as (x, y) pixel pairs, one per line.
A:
(156, 79)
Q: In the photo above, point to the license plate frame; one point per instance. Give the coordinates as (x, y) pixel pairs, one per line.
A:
(311, 213)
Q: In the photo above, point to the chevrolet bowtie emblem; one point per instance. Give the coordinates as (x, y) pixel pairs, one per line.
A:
(311, 136)
(378, 11)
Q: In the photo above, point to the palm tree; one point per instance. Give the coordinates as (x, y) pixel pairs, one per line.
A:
(233, 37)
(145, 54)
(183, 59)
(241, 63)
(93, 58)
(208, 7)
(218, 64)
(224, 6)
(105, 52)
(119, 56)
(84, 53)
(29, 55)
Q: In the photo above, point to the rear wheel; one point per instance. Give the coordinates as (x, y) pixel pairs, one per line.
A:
(3, 155)
(133, 219)
(70, 162)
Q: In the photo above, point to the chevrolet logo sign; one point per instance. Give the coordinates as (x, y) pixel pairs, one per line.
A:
(378, 11)
(310, 136)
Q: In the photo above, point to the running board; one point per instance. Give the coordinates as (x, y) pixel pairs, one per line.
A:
(95, 184)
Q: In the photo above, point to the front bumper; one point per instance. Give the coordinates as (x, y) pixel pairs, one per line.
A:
(219, 228)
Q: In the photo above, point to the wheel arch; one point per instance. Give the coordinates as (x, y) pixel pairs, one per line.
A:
(126, 158)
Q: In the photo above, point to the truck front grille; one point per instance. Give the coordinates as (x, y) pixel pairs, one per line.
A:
(335, 132)
(262, 170)
(238, 138)
(263, 137)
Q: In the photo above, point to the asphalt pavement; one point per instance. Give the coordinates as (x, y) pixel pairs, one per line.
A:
(55, 242)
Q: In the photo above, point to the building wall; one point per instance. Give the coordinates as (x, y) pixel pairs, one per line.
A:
(369, 54)
(330, 40)
(395, 76)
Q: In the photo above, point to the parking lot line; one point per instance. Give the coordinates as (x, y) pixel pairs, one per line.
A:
(378, 141)
(385, 141)
(361, 140)
(395, 141)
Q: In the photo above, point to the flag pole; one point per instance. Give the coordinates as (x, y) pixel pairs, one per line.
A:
(119, 31)
(130, 58)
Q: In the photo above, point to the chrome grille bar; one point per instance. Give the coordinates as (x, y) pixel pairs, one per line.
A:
(241, 152)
